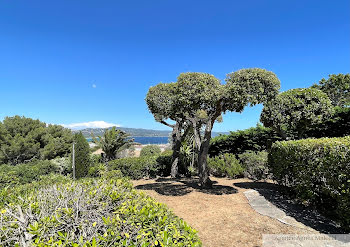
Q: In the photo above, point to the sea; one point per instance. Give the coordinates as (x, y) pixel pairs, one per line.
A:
(147, 139)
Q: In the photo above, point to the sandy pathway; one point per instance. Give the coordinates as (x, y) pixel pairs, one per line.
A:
(222, 216)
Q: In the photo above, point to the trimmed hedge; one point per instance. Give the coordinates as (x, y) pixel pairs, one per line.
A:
(317, 171)
(225, 165)
(92, 212)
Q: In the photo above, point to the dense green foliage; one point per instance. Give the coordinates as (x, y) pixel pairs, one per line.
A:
(225, 165)
(150, 150)
(23, 139)
(142, 167)
(82, 155)
(337, 87)
(292, 111)
(257, 138)
(64, 165)
(317, 170)
(113, 142)
(91, 212)
(255, 165)
(337, 125)
(11, 176)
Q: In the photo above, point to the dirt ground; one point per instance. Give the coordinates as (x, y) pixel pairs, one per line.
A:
(222, 215)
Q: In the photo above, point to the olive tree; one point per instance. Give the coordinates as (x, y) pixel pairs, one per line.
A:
(199, 100)
(162, 103)
(203, 99)
(296, 109)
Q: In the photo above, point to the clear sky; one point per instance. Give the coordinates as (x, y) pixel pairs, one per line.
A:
(79, 61)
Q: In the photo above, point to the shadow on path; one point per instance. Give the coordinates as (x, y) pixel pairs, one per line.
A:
(306, 215)
(183, 186)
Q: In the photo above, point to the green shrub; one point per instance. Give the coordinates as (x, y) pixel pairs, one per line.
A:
(255, 165)
(143, 166)
(97, 170)
(136, 167)
(64, 165)
(318, 171)
(92, 212)
(150, 150)
(25, 173)
(225, 165)
(164, 163)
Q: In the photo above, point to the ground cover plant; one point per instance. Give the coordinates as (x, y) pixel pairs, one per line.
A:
(91, 212)
(317, 171)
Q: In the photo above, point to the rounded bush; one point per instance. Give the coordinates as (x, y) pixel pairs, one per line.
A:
(225, 165)
(150, 150)
(255, 165)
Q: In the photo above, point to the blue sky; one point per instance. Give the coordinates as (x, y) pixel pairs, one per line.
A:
(80, 61)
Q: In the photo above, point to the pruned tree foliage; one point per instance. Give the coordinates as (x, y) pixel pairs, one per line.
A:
(162, 103)
(291, 112)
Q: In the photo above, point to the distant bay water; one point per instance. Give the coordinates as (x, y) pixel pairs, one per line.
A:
(147, 139)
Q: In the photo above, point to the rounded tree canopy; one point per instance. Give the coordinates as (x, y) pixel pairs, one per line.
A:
(161, 101)
(202, 95)
(198, 92)
(295, 109)
(250, 87)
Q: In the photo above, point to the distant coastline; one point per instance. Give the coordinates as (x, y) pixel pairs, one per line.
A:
(133, 132)
(144, 140)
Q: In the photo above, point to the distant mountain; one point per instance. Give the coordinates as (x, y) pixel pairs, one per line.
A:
(133, 132)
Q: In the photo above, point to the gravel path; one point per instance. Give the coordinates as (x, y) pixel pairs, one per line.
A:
(223, 216)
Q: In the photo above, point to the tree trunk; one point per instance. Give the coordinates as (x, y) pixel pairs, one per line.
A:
(176, 137)
(204, 179)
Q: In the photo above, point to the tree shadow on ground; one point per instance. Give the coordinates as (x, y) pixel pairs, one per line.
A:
(183, 186)
(307, 215)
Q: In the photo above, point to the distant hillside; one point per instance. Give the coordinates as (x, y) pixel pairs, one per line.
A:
(133, 132)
